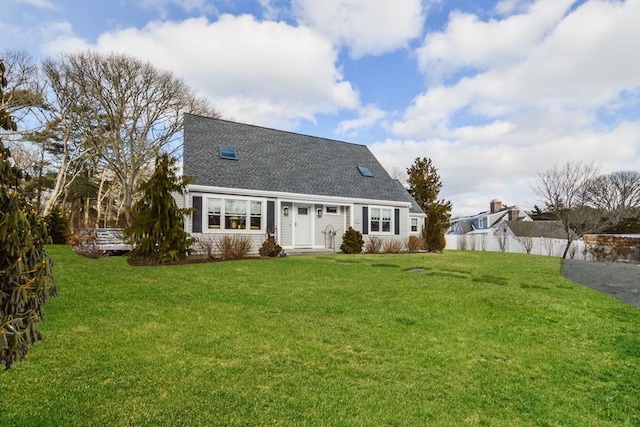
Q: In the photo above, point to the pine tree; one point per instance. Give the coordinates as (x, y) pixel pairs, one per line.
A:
(57, 226)
(425, 186)
(25, 270)
(157, 224)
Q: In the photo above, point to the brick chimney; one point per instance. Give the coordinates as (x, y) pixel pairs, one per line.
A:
(514, 214)
(495, 205)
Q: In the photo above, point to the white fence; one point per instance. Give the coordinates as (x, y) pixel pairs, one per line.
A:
(537, 245)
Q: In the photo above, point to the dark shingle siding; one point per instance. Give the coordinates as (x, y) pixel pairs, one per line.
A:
(273, 160)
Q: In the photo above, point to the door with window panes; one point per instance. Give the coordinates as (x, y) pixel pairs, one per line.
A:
(302, 225)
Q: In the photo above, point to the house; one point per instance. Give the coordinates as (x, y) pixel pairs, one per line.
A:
(487, 222)
(250, 180)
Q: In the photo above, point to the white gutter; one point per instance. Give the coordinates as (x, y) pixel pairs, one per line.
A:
(192, 188)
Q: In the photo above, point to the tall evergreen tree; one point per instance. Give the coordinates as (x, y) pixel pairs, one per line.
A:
(157, 224)
(25, 270)
(424, 186)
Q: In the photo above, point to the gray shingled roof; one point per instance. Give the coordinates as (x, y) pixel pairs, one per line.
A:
(273, 160)
(548, 229)
(414, 206)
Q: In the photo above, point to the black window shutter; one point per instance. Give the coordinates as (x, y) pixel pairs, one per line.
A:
(271, 216)
(196, 217)
(397, 221)
(365, 220)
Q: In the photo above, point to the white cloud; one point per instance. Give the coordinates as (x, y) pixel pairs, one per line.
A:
(469, 42)
(517, 112)
(61, 38)
(584, 63)
(189, 6)
(474, 171)
(40, 4)
(364, 27)
(509, 7)
(367, 117)
(258, 72)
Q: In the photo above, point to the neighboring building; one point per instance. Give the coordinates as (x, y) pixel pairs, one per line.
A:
(543, 228)
(487, 222)
(251, 180)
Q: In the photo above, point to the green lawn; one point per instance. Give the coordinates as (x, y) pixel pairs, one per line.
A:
(477, 338)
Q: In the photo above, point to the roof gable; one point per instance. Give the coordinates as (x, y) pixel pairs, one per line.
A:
(273, 160)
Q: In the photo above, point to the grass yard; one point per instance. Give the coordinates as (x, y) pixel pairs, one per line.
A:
(476, 338)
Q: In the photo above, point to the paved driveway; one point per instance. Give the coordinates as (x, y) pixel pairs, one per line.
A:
(620, 280)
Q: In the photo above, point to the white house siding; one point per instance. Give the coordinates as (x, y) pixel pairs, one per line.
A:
(405, 222)
(257, 237)
(286, 222)
(183, 201)
(325, 223)
(357, 217)
(347, 215)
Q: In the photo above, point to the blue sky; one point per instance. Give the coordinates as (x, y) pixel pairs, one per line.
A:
(493, 92)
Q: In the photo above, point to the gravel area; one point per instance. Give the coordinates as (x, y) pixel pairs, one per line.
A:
(620, 280)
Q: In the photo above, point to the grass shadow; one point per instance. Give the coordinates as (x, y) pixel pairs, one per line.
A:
(527, 286)
(448, 274)
(491, 280)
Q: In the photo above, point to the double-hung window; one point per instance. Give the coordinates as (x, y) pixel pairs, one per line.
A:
(256, 215)
(214, 207)
(235, 214)
(414, 225)
(380, 220)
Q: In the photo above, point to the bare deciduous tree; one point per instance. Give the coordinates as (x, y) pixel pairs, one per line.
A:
(617, 195)
(503, 238)
(65, 120)
(563, 190)
(24, 91)
(524, 233)
(398, 173)
(130, 111)
(484, 239)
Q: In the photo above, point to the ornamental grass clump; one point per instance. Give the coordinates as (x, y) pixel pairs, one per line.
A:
(373, 245)
(234, 246)
(392, 246)
(415, 244)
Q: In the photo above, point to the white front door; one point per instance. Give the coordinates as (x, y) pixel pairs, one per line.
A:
(302, 224)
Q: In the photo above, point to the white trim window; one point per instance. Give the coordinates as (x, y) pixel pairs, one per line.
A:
(380, 220)
(234, 214)
(214, 213)
(332, 210)
(414, 225)
(482, 222)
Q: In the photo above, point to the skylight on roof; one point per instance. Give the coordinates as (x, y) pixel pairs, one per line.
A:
(228, 153)
(364, 171)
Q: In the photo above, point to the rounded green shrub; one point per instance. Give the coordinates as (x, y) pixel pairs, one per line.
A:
(270, 248)
(352, 241)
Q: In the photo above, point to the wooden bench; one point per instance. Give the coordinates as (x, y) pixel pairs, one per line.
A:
(107, 240)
